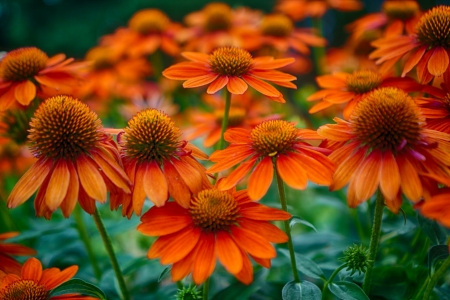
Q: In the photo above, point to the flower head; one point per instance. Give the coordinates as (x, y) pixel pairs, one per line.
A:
(8, 264)
(436, 108)
(300, 9)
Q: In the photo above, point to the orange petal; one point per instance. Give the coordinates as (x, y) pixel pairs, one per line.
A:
(231, 161)
(178, 189)
(164, 225)
(205, 258)
(268, 231)
(237, 135)
(182, 268)
(237, 175)
(155, 185)
(252, 243)
(236, 85)
(438, 62)
(7, 99)
(389, 176)
(263, 63)
(272, 75)
(320, 106)
(246, 274)
(256, 211)
(261, 86)
(228, 252)
(260, 179)
(316, 172)
(32, 270)
(25, 92)
(51, 281)
(196, 56)
(410, 181)
(414, 59)
(291, 172)
(180, 245)
(190, 175)
(218, 84)
(91, 179)
(347, 167)
(200, 80)
(70, 201)
(58, 185)
(367, 176)
(112, 170)
(335, 81)
(339, 97)
(138, 190)
(186, 70)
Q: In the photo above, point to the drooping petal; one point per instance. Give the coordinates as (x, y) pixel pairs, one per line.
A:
(70, 201)
(438, 62)
(261, 86)
(155, 184)
(410, 181)
(346, 168)
(268, 231)
(232, 160)
(256, 211)
(191, 176)
(217, 85)
(138, 190)
(252, 243)
(205, 258)
(389, 176)
(228, 252)
(236, 85)
(91, 179)
(414, 59)
(200, 80)
(50, 281)
(237, 175)
(112, 170)
(367, 176)
(58, 185)
(291, 172)
(260, 179)
(180, 245)
(25, 92)
(246, 274)
(178, 189)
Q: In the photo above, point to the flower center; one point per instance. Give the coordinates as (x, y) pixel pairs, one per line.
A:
(214, 210)
(149, 21)
(20, 64)
(433, 28)
(273, 137)
(24, 290)
(361, 82)
(151, 135)
(236, 116)
(230, 61)
(401, 10)
(218, 17)
(101, 58)
(276, 25)
(63, 127)
(386, 119)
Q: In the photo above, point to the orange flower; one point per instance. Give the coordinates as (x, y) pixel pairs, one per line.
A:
(21, 68)
(234, 68)
(71, 148)
(299, 9)
(273, 143)
(8, 264)
(427, 45)
(385, 145)
(158, 162)
(217, 224)
(437, 207)
(350, 89)
(436, 109)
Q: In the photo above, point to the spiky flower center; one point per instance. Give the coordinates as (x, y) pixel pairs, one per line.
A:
(149, 21)
(236, 116)
(356, 258)
(230, 61)
(24, 290)
(401, 10)
(433, 28)
(151, 135)
(218, 16)
(277, 26)
(63, 127)
(214, 210)
(273, 137)
(361, 82)
(23, 63)
(387, 119)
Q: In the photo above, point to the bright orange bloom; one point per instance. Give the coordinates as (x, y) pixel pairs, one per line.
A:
(436, 109)
(217, 224)
(76, 160)
(21, 68)
(385, 144)
(437, 207)
(350, 89)
(158, 162)
(300, 9)
(234, 68)
(427, 46)
(273, 143)
(8, 264)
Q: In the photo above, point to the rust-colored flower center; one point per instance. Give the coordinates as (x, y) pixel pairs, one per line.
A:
(23, 63)
(24, 290)
(236, 116)
(387, 119)
(361, 82)
(273, 137)
(401, 10)
(101, 58)
(230, 61)
(276, 25)
(218, 17)
(151, 135)
(433, 28)
(149, 21)
(214, 210)
(63, 127)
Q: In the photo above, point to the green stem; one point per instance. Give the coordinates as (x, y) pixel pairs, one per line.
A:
(287, 227)
(180, 285)
(330, 280)
(84, 235)
(112, 256)
(418, 296)
(205, 289)
(433, 280)
(318, 52)
(226, 112)
(156, 61)
(374, 240)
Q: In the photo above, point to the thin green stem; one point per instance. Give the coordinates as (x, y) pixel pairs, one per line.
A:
(156, 60)
(205, 289)
(374, 240)
(112, 256)
(418, 296)
(180, 285)
(433, 280)
(318, 52)
(226, 113)
(287, 227)
(330, 280)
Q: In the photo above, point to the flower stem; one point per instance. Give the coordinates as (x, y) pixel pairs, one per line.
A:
(330, 280)
(205, 289)
(374, 240)
(318, 52)
(433, 280)
(287, 227)
(112, 256)
(226, 112)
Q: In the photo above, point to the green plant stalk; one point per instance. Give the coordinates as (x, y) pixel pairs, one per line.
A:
(156, 61)
(287, 227)
(205, 289)
(112, 256)
(374, 240)
(433, 280)
(180, 285)
(226, 113)
(330, 280)
(418, 296)
(318, 52)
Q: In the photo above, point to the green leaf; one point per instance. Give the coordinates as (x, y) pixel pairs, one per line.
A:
(347, 290)
(304, 290)
(164, 273)
(433, 230)
(389, 282)
(436, 254)
(292, 291)
(240, 291)
(78, 286)
(306, 265)
(294, 220)
(310, 291)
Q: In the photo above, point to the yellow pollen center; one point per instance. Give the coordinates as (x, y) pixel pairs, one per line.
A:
(23, 63)
(235, 118)
(151, 135)
(401, 10)
(433, 28)
(214, 210)
(277, 26)
(387, 119)
(149, 21)
(230, 61)
(273, 137)
(63, 127)
(24, 290)
(218, 17)
(361, 82)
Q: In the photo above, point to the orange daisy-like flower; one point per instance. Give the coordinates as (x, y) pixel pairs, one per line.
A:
(20, 69)
(217, 224)
(299, 9)
(9, 265)
(234, 68)
(436, 109)
(76, 160)
(428, 46)
(437, 207)
(385, 144)
(158, 162)
(350, 89)
(272, 144)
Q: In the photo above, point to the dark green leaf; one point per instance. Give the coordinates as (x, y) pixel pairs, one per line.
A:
(305, 265)
(433, 230)
(240, 291)
(436, 254)
(389, 282)
(310, 291)
(292, 291)
(164, 273)
(78, 286)
(347, 290)
(304, 290)
(294, 220)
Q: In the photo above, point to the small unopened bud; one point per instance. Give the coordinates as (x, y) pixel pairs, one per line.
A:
(188, 293)
(356, 258)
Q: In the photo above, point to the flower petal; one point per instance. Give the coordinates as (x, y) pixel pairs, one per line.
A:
(256, 211)
(51, 281)
(25, 92)
(228, 252)
(70, 201)
(291, 172)
(261, 86)
(252, 243)
(32, 270)
(237, 175)
(389, 176)
(155, 185)
(138, 189)
(367, 176)
(218, 84)
(236, 85)
(91, 179)
(58, 185)
(205, 258)
(410, 181)
(260, 179)
(178, 189)
(180, 245)
(200, 80)
(438, 62)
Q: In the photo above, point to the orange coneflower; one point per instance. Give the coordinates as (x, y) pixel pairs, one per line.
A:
(436, 108)
(273, 143)
(385, 144)
(25, 71)
(350, 89)
(428, 46)
(158, 162)
(76, 160)
(8, 264)
(437, 207)
(217, 224)
(234, 68)
(299, 9)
